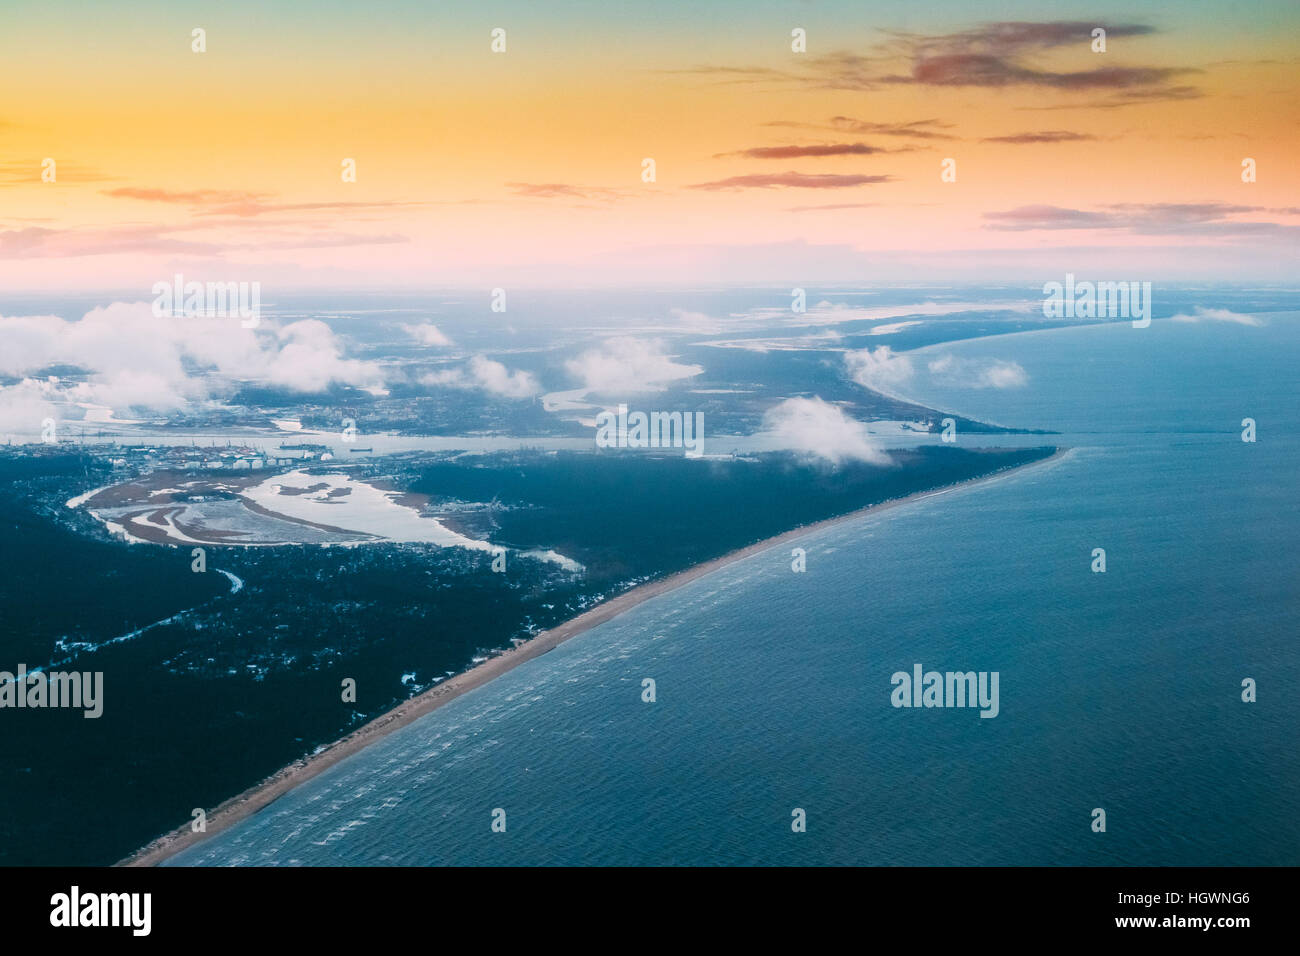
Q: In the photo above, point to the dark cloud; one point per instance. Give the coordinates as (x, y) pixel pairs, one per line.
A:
(839, 70)
(916, 129)
(1132, 98)
(974, 69)
(919, 129)
(1017, 36)
(842, 70)
(792, 180)
(1041, 136)
(799, 152)
(992, 56)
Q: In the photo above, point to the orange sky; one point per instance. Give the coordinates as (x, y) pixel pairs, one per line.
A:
(525, 166)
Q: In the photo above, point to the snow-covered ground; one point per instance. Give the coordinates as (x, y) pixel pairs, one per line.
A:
(341, 501)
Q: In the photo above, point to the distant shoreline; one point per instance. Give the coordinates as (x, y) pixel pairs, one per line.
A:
(305, 768)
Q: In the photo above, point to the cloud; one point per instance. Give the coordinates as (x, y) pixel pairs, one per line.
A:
(427, 334)
(968, 69)
(310, 359)
(892, 327)
(816, 341)
(977, 373)
(695, 321)
(1218, 315)
(916, 129)
(26, 405)
(881, 370)
(826, 313)
(189, 197)
(814, 151)
(244, 205)
(1166, 94)
(133, 359)
(1043, 136)
(1006, 54)
(1014, 36)
(792, 180)
(993, 55)
(628, 365)
(563, 191)
(494, 377)
(487, 375)
(1048, 217)
(817, 429)
(735, 74)
(41, 242)
(450, 378)
(842, 70)
(1159, 219)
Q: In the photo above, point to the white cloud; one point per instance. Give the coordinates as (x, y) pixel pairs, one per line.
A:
(488, 375)
(1219, 315)
(311, 359)
(978, 373)
(427, 334)
(818, 429)
(628, 365)
(881, 369)
(824, 313)
(131, 389)
(134, 359)
(892, 327)
(24, 406)
(499, 380)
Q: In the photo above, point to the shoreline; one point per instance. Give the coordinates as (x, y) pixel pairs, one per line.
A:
(305, 768)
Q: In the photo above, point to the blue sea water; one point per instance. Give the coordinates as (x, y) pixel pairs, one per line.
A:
(1119, 690)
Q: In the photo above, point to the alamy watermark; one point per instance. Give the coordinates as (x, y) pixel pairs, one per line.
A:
(651, 430)
(1098, 300)
(923, 688)
(242, 300)
(75, 908)
(38, 689)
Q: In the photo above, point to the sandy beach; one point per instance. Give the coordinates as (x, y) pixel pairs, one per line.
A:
(298, 772)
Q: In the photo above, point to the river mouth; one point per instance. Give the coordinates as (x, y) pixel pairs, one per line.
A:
(318, 506)
(325, 507)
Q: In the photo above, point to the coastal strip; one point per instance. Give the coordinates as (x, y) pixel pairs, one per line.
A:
(305, 768)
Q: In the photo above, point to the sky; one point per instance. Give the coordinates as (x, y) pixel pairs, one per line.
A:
(526, 167)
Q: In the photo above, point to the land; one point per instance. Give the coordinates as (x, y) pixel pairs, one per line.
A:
(250, 801)
(210, 688)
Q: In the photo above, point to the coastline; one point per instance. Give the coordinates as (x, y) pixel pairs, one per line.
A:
(300, 771)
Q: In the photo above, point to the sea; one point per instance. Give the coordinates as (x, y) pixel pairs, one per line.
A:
(772, 739)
